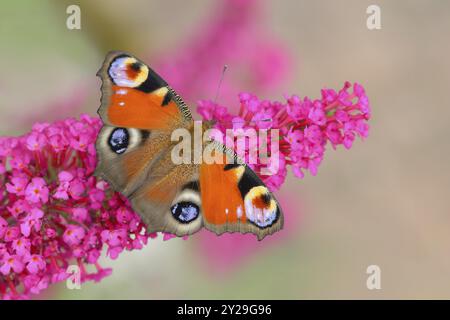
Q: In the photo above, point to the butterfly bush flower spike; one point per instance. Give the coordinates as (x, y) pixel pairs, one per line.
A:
(54, 212)
(306, 126)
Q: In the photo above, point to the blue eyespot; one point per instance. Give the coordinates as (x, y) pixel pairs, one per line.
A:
(185, 212)
(118, 141)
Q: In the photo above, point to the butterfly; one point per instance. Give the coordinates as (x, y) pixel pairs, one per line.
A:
(139, 111)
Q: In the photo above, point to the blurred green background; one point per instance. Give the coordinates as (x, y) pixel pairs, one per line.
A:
(384, 202)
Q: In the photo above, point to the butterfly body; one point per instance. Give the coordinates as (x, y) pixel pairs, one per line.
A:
(140, 111)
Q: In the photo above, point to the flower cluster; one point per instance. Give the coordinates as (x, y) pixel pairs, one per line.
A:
(305, 125)
(54, 212)
(232, 35)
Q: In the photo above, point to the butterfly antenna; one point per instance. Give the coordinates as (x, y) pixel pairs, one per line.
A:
(212, 122)
(225, 67)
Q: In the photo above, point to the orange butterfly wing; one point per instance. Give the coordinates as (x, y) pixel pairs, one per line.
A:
(134, 96)
(132, 108)
(234, 199)
(225, 204)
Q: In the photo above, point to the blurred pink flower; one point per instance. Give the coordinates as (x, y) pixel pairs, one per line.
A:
(233, 35)
(225, 253)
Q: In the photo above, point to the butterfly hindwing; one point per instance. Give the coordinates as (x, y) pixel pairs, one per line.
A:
(170, 202)
(234, 199)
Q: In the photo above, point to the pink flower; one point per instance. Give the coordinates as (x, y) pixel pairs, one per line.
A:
(76, 189)
(35, 284)
(124, 215)
(294, 138)
(317, 115)
(168, 236)
(73, 235)
(36, 141)
(18, 207)
(11, 234)
(37, 191)
(294, 108)
(22, 246)
(306, 126)
(48, 203)
(11, 263)
(97, 196)
(297, 170)
(80, 214)
(35, 263)
(64, 178)
(17, 185)
(32, 222)
(100, 274)
(115, 237)
(80, 143)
